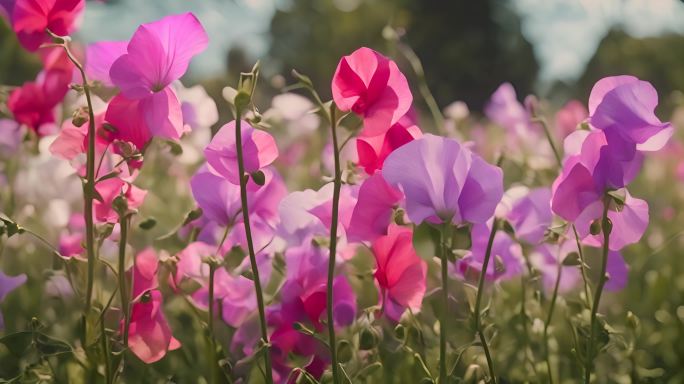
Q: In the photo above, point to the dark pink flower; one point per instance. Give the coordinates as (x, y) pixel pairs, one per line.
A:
(31, 19)
(149, 335)
(400, 272)
(373, 211)
(371, 85)
(373, 150)
(144, 273)
(569, 117)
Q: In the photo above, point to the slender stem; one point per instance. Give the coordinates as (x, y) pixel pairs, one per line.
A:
(250, 246)
(559, 160)
(478, 300)
(89, 184)
(333, 246)
(212, 358)
(123, 283)
(605, 228)
(105, 350)
(417, 67)
(549, 317)
(445, 304)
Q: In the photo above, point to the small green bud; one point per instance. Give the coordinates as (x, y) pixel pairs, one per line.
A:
(259, 178)
(345, 351)
(595, 227)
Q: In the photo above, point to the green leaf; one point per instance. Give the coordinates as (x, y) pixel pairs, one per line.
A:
(18, 342)
(48, 346)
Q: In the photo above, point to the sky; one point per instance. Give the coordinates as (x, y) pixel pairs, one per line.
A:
(564, 33)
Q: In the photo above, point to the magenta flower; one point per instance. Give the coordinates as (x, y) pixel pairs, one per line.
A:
(31, 19)
(373, 150)
(158, 54)
(507, 259)
(258, 149)
(400, 273)
(144, 273)
(444, 182)
(109, 189)
(7, 285)
(373, 211)
(371, 85)
(149, 335)
(623, 107)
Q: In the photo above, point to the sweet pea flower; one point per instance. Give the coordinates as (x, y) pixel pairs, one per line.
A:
(569, 117)
(11, 136)
(506, 258)
(31, 19)
(593, 167)
(371, 85)
(149, 336)
(221, 203)
(505, 110)
(109, 189)
(529, 213)
(629, 223)
(617, 270)
(144, 69)
(234, 293)
(444, 182)
(400, 273)
(258, 149)
(623, 107)
(7, 285)
(548, 258)
(373, 211)
(373, 150)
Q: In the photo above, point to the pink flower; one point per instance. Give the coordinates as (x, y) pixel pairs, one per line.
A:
(31, 18)
(109, 189)
(258, 149)
(374, 208)
(371, 85)
(569, 117)
(158, 54)
(400, 272)
(373, 150)
(145, 273)
(149, 335)
(530, 214)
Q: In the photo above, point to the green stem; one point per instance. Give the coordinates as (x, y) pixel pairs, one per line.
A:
(423, 87)
(445, 303)
(478, 300)
(333, 246)
(606, 229)
(549, 317)
(105, 348)
(123, 283)
(250, 246)
(212, 358)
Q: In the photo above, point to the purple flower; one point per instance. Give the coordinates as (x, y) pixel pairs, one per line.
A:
(530, 213)
(623, 107)
(444, 182)
(7, 285)
(506, 261)
(547, 258)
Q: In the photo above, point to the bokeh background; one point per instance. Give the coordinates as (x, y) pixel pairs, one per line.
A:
(555, 49)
